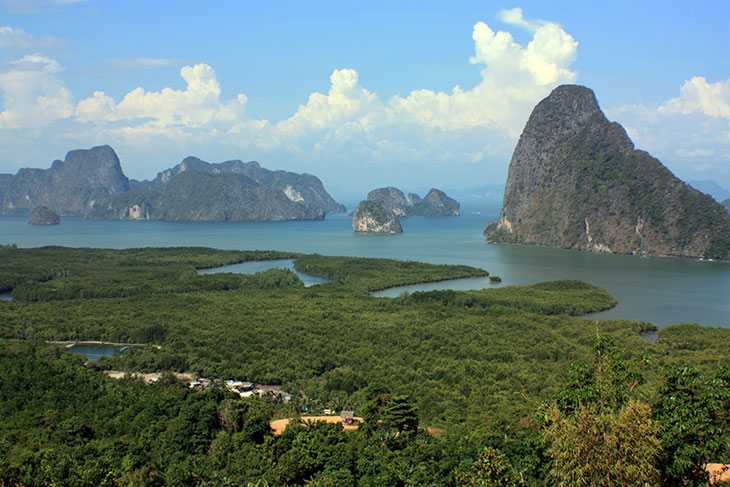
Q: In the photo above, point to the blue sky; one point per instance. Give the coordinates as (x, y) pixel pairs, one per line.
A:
(363, 94)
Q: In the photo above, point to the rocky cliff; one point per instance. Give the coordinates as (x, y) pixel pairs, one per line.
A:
(436, 202)
(374, 216)
(44, 216)
(300, 188)
(393, 199)
(72, 186)
(575, 181)
(91, 183)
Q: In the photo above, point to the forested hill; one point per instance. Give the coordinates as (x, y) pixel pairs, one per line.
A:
(506, 376)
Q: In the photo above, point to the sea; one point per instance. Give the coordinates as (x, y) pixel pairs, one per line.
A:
(660, 290)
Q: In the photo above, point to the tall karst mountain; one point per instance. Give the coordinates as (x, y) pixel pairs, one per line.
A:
(575, 181)
(91, 183)
(69, 187)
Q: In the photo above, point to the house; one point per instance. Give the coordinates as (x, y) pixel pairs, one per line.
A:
(347, 417)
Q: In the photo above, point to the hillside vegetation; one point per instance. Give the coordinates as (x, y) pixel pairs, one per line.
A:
(504, 372)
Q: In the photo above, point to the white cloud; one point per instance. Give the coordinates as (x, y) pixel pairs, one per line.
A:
(33, 95)
(514, 79)
(197, 106)
(513, 16)
(690, 133)
(15, 39)
(142, 63)
(699, 96)
(348, 123)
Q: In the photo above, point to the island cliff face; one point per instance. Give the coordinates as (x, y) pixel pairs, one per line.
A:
(374, 216)
(436, 203)
(575, 181)
(72, 186)
(91, 183)
(301, 188)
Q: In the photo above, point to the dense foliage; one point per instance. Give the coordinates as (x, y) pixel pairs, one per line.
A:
(370, 275)
(476, 365)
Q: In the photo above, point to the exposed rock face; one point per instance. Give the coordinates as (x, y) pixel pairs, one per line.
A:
(575, 181)
(199, 196)
(91, 183)
(301, 188)
(71, 187)
(392, 197)
(44, 216)
(726, 204)
(436, 203)
(374, 216)
(413, 198)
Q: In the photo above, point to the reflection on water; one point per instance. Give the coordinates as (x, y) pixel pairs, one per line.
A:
(6, 297)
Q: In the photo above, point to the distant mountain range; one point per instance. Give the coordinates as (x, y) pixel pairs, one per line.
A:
(576, 181)
(91, 183)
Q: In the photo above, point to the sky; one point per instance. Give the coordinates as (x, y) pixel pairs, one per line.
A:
(363, 94)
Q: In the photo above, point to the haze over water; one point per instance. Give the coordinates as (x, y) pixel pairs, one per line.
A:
(664, 291)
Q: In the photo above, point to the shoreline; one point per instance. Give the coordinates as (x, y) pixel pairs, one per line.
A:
(97, 342)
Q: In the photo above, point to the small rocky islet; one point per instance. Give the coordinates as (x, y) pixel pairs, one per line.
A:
(380, 212)
(43, 215)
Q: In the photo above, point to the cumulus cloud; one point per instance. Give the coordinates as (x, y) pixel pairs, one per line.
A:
(514, 78)
(142, 63)
(689, 133)
(15, 39)
(347, 110)
(699, 96)
(33, 95)
(197, 106)
(342, 124)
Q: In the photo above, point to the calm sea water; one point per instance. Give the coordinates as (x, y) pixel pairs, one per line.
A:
(664, 291)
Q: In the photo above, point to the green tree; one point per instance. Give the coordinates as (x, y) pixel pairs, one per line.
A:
(694, 415)
(491, 469)
(401, 414)
(597, 434)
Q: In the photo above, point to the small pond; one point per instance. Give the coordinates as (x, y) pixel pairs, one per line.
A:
(94, 351)
(6, 297)
(263, 265)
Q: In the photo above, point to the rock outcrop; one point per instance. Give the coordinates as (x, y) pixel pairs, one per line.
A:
(726, 204)
(575, 181)
(393, 198)
(300, 188)
(44, 216)
(91, 183)
(374, 216)
(436, 203)
(72, 186)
